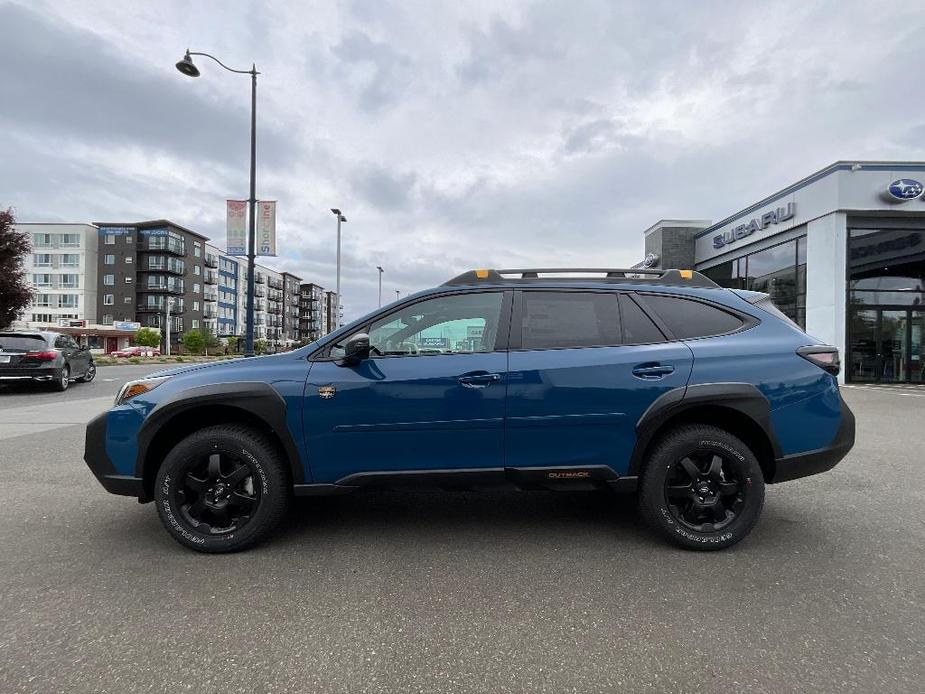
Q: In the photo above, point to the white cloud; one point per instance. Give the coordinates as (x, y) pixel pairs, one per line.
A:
(453, 135)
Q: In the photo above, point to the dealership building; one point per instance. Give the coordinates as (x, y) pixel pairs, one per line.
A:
(842, 253)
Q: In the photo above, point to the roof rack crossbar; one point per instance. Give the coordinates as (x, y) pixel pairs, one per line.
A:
(687, 278)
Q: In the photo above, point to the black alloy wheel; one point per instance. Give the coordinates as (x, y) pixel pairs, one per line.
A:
(222, 488)
(217, 494)
(701, 487)
(702, 491)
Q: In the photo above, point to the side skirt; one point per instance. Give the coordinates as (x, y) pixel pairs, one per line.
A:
(570, 478)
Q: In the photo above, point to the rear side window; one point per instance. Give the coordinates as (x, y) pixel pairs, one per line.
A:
(638, 328)
(21, 343)
(569, 319)
(688, 319)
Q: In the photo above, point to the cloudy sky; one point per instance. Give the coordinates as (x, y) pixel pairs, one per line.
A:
(454, 135)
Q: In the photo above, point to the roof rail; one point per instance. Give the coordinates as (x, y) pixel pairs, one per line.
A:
(686, 278)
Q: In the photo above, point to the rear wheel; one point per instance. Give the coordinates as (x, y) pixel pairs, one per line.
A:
(702, 488)
(222, 489)
(62, 379)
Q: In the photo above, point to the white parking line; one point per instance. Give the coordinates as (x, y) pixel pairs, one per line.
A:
(891, 390)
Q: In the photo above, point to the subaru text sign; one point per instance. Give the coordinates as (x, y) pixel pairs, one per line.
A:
(775, 216)
(905, 189)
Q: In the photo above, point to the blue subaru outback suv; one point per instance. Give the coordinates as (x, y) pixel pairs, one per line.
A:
(653, 381)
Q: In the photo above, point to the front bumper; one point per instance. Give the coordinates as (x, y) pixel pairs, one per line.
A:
(101, 466)
(797, 465)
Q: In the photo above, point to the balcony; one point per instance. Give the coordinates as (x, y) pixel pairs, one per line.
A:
(210, 296)
(259, 278)
(209, 312)
(210, 277)
(210, 260)
(275, 283)
(159, 308)
(274, 310)
(165, 243)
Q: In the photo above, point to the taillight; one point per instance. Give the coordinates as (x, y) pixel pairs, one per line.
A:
(823, 356)
(41, 356)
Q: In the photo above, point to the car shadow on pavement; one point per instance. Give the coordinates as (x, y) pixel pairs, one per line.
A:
(428, 514)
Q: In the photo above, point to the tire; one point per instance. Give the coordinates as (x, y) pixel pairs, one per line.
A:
(90, 375)
(690, 501)
(198, 506)
(62, 379)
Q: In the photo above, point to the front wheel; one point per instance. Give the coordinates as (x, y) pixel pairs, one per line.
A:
(222, 489)
(701, 488)
(89, 376)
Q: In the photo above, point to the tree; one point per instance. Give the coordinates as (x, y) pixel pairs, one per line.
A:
(146, 337)
(232, 343)
(260, 346)
(209, 341)
(193, 341)
(15, 292)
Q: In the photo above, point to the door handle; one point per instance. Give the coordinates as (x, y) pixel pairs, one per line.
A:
(478, 380)
(652, 371)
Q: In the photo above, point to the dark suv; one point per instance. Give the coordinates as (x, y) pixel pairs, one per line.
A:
(44, 356)
(654, 381)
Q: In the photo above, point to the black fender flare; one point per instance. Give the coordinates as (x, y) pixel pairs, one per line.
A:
(254, 397)
(745, 398)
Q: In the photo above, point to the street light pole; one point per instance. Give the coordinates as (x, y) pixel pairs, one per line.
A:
(397, 295)
(379, 268)
(188, 68)
(340, 218)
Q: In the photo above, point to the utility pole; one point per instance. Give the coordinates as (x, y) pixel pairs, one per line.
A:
(340, 218)
(379, 268)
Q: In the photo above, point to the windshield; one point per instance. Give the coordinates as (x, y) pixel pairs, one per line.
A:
(21, 343)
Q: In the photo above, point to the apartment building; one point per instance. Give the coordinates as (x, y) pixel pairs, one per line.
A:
(311, 302)
(63, 270)
(110, 278)
(329, 312)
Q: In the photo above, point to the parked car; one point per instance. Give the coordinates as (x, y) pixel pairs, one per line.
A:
(137, 351)
(654, 381)
(44, 356)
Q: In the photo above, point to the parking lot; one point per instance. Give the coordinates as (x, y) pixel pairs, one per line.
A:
(490, 592)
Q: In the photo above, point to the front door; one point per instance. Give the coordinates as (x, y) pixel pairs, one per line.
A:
(430, 397)
(887, 345)
(578, 383)
(112, 344)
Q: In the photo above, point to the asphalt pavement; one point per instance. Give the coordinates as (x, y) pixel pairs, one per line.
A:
(460, 592)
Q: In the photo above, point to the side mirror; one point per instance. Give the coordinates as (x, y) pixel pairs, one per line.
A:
(355, 351)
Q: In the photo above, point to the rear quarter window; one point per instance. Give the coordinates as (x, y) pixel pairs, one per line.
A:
(687, 318)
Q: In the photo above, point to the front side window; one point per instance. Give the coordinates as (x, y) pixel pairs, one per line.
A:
(455, 324)
(689, 319)
(553, 320)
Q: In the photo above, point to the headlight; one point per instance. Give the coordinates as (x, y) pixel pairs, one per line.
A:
(135, 388)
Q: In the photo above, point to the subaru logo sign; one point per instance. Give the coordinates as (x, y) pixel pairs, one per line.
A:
(905, 189)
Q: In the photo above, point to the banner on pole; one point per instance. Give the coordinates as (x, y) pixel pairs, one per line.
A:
(236, 232)
(266, 227)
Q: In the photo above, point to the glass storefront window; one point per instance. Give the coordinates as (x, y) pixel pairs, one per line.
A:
(779, 271)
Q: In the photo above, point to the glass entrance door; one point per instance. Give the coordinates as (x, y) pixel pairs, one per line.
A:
(887, 345)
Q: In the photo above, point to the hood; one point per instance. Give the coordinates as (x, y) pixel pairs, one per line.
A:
(226, 364)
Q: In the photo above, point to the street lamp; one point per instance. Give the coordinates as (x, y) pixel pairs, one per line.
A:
(188, 68)
(397, 295)
(379, 268)
(340, 218)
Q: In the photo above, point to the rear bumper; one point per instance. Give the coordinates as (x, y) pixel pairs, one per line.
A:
(791, 467)
(42, 373)
(101, 466)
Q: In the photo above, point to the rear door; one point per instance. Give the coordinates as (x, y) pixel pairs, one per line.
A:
(580, 377)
